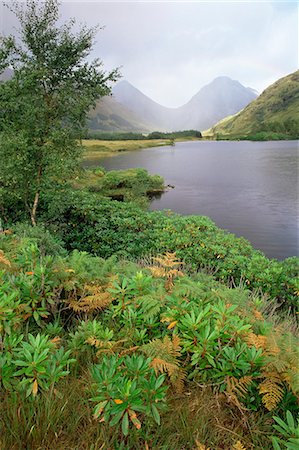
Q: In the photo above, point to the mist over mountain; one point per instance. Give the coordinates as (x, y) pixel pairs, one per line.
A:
(110, 115)
(128, 109)
(220, 98)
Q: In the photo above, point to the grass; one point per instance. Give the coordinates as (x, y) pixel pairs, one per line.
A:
(95, 148)
(65, 421)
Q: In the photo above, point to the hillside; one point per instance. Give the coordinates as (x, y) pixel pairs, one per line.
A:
(109, 115)
(275, 110)
(157, 116)
(220, 98)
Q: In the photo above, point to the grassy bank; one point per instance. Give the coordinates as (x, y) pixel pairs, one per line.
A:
(95, 148)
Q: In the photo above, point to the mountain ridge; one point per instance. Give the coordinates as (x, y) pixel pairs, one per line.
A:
(214, 101)
(275, 110)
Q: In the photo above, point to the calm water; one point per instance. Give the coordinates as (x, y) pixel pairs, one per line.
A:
(249, 188)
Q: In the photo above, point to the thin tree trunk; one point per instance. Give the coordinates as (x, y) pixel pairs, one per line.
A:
(36, 197)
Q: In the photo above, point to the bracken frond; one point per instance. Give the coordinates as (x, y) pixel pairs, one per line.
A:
(104, 346)
(168, 260)
(4, 260)
(164, 354)
(256, 340)
(237, 389)
(99, 298)
(272, 390)
(166, 267)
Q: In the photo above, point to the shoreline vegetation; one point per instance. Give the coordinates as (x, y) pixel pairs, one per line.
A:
(117, 144)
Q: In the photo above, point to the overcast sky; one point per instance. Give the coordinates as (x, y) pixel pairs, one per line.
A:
(169, 50)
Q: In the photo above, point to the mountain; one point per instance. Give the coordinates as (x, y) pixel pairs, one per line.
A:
(275, 110)
(213, 102)
(109, 115)
(157, 116)
(220, 98)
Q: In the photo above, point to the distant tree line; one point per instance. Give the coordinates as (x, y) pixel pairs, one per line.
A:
(125, 136)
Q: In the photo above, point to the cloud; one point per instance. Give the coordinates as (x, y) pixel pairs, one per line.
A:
(169, 50)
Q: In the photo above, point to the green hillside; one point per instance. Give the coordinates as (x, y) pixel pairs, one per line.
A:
(274, 114)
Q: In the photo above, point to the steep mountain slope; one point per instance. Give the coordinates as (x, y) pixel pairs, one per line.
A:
(213, 102)
(220, 98)
(157, 116)
(109, 115)
(276, 109)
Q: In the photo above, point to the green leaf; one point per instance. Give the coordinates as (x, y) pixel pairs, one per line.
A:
(290, 420)
(275, 443)
(116, 418)
(125, 424)
(156, 414)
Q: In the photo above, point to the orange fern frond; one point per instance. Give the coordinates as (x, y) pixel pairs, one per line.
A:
(256, 340)
(99, 298)
(4, 260)
(272, 390)
(164, 354)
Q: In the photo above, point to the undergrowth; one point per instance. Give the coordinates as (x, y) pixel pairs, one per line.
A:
(109, 354)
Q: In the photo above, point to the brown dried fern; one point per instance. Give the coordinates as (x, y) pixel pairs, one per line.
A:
(167, 267)
(164, 354)
(272, 390)
(4, 260)
(99, 298)
(237, 388)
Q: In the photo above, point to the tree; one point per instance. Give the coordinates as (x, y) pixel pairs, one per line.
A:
(43, 107)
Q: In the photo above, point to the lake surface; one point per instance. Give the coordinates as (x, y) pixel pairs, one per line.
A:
(248, 188)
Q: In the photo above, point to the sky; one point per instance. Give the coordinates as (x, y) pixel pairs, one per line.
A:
(170, 49)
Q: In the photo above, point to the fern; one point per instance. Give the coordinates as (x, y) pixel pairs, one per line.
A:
(272, 390)
(237, 388)
(166, 267)
(164, 354)
(257, 341)
(4, 260)
(97, 299)
(149, 306)
(280, 370)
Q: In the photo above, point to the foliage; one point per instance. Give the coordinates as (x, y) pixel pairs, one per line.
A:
(289, 430)
(108, 227)
(123, 185)
(127, 391)
(34, 365)
(44, 105)
(122, 136)
(133, 335)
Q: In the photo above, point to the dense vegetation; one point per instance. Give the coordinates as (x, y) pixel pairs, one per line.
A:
(122, 328)
(273, 115)
(123, 185)
(121, 136)
(99, 352)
